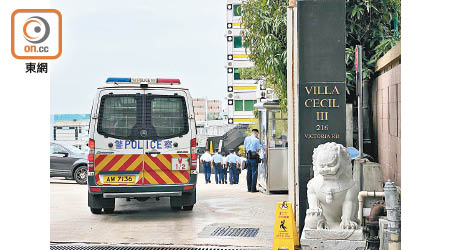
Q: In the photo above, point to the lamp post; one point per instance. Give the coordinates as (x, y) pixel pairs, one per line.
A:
(359, 90)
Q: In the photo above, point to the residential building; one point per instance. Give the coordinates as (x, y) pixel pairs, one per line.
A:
(242, 94)
(201, 113)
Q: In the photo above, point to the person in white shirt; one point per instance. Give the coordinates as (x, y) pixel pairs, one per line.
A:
(218, 170)
(206, 160)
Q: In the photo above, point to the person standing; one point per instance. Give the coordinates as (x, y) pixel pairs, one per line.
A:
(252, 147)
(218, 170)
(206, 160)
(233, 163)
(224, 168)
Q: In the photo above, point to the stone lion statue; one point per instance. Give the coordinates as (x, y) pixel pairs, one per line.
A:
(332, 193)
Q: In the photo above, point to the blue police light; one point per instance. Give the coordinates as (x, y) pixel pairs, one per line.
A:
(118, 79)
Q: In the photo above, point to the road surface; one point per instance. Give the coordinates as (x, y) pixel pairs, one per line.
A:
(154, 223)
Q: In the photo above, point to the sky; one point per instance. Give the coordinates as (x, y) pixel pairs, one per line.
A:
(137, 38)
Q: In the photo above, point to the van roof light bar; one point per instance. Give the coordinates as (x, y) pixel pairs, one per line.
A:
(125, 80)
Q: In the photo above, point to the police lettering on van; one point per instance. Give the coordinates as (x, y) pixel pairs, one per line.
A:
(142, 141)
(119, 144)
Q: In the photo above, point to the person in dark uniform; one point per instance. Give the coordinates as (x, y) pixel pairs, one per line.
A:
(252, 147)
(233, 163)
(218, 170)
(224, 168)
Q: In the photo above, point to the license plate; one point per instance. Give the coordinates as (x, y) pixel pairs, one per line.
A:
(180, 164)
(119, 179)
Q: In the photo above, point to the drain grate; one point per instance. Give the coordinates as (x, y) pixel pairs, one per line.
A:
(125, 247)
(236, 231)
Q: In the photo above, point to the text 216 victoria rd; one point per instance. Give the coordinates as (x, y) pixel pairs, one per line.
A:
(142, 141)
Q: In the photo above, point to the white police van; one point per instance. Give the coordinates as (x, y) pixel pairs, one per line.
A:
(142, 141)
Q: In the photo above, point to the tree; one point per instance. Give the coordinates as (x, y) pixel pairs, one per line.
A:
(376, 26)
(373, 24)
(265, 36)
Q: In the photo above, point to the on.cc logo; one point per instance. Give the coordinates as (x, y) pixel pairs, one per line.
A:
(36, 34)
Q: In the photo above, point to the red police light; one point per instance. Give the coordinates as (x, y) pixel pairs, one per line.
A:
(167, 80)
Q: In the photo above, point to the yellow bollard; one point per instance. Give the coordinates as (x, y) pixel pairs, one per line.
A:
(285, 235)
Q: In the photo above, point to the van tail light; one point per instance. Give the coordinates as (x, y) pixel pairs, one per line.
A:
(95, 189)
(194, 154)
(91, 155)
(194, 161)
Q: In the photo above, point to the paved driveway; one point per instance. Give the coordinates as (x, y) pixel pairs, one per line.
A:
(154, 223)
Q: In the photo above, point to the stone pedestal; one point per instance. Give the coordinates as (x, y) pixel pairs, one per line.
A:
(325, 239)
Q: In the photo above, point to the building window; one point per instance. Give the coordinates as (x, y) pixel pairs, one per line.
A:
(236, 75)
(249, 105)
(238, 105)
(244, 105)
(237, 42)
(237, 10)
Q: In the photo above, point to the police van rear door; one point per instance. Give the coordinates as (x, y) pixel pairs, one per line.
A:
(168, 140)
(118, 145)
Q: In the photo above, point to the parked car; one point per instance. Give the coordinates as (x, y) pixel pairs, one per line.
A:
(68, 161)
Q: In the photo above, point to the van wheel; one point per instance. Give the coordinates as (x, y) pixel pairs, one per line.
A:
(188, 208)
(176, 202)
(96, 210)
(175, 208)
(80, 175)
(108, 210)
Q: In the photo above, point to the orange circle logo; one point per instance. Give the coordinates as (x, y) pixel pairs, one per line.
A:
(36, 29)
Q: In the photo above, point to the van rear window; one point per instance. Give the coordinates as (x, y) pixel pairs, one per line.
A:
(139, 117)
(168, 116)
(119, 115)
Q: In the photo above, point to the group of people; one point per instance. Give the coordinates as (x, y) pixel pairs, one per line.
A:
(233, 164)
(222, 165)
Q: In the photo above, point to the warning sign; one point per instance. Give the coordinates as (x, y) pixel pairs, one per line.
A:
(285, 231)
